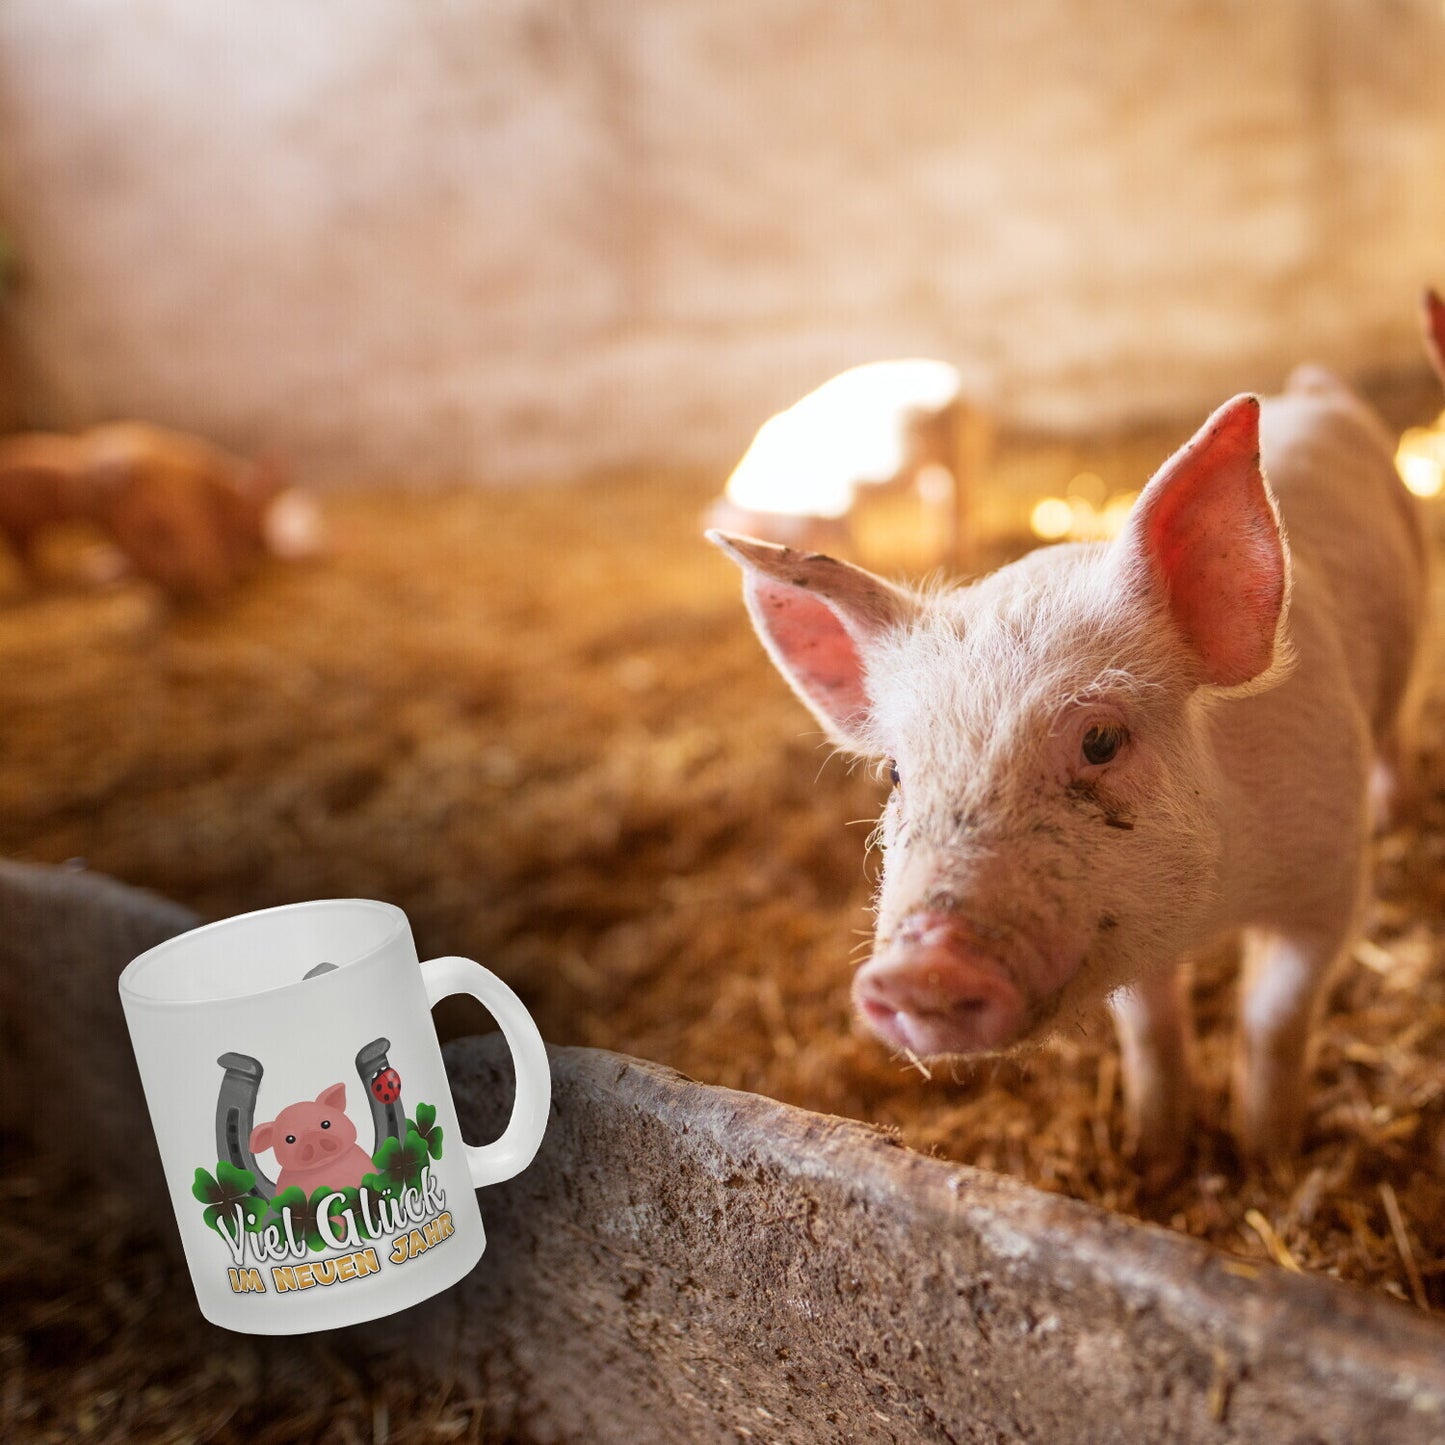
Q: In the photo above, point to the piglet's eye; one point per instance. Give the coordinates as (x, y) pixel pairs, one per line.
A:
(326, 1123)
(1103, 741)
(290, 1138)
(893, 772)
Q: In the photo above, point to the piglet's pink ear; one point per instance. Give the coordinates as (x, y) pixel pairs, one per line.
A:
(261, 1137)
(1206, 531)
(817, 617)
(1432, 316)
(334, 1097)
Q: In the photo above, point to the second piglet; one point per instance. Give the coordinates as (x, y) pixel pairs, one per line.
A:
(1106, 756)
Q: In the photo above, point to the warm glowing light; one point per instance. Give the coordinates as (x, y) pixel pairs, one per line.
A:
(1078, 518)
(1052, 518)
(935, 484)
(1116, 512)
(853, 430)
(1421, 458)
(1423, 475)
(1089, 487)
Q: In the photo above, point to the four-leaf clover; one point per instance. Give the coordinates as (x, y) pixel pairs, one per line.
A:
(228, 1190)
(425, 1127)
(305, 1214)
(399, 1163)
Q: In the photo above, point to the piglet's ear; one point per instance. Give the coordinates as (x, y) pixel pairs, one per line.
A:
(334, 1097)
(817, 617)
(1432, 318)
(261, 1137)
(1205, 533)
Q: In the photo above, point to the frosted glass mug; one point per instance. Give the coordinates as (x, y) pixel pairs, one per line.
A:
(306, 1128)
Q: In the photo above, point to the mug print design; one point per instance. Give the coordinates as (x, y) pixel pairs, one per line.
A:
(362, 1210)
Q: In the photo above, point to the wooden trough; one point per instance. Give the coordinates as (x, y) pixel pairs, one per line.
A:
(688, 1262)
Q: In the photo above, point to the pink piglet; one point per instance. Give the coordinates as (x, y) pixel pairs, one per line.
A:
(315, 1144)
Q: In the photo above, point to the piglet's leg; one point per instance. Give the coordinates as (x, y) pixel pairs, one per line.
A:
(1281, 985)
(1152, 1019)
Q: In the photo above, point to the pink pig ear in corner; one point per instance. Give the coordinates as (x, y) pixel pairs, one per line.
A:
(1206, 529)
(261, 1137)
(816, 617)
(334, 1097)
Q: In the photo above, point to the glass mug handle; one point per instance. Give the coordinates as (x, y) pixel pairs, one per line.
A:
(509, 1155)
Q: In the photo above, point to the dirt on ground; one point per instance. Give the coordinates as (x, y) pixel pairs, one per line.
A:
(539, 721)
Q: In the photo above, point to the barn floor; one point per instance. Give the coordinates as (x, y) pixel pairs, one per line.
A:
(537, 720)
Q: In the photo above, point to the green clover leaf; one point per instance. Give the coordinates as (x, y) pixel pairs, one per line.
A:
(417, 1157)
(399, 1163)
(427, 1129)
(227, 1184)
(206, 1189)
(294, 1200)
(238, 1181)
(228, 1190)
(253, 1215)
(378, 1186)
(384, 1159)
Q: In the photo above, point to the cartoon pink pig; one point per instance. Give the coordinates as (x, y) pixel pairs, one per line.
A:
(315, 1144)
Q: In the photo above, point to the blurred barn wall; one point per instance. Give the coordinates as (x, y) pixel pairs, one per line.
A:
(525, 237)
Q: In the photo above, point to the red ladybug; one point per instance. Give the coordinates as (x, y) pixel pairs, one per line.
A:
(387, 1085)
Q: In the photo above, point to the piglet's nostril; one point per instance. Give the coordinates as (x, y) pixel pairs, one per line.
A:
(936, 999)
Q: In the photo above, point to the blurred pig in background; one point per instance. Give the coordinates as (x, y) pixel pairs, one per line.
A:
(183, 513)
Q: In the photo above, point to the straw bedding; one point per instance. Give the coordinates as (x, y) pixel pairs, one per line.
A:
(539, 722)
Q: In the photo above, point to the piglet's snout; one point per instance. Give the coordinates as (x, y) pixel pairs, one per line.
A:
(316, 1145)
(934, 991)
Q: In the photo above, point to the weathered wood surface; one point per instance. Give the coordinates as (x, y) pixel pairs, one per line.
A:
(690, 1263)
